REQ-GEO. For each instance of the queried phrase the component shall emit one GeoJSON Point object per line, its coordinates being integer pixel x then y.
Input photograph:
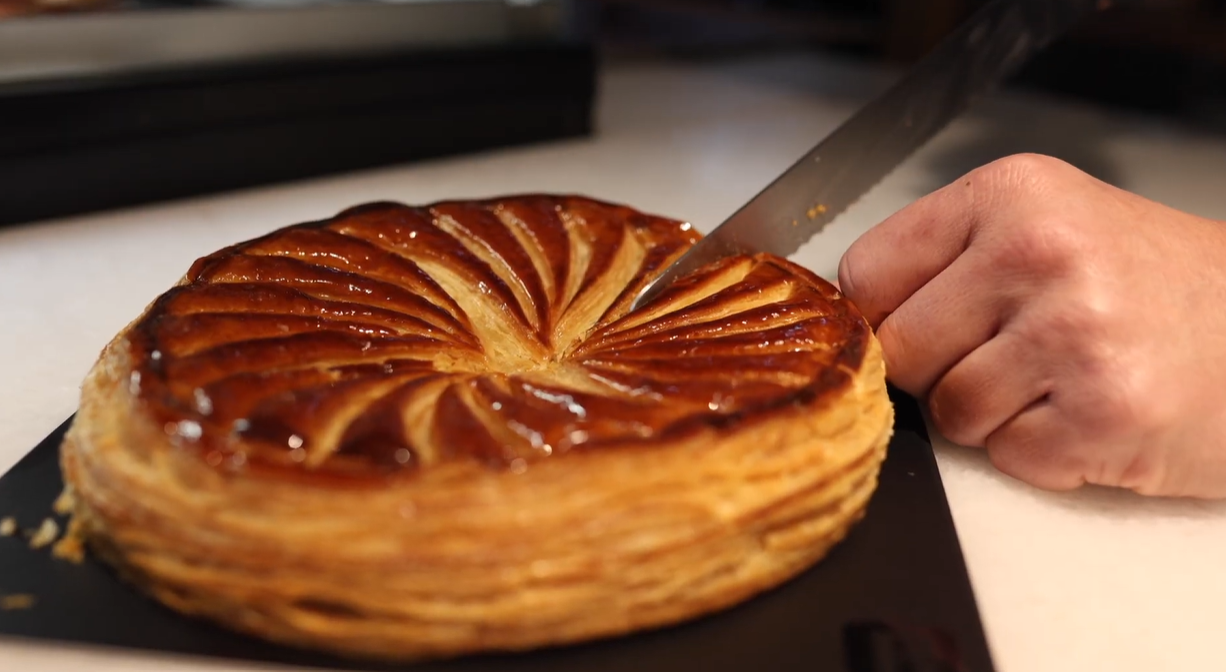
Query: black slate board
{"type": "Point", "coordinates": [893, 597]}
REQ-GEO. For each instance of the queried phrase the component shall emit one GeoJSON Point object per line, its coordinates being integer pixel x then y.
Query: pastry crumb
{"type": "Point", "coordinates": [70, 547]}
{"type": "Point", "coordinates": [16, 601]}
{"type": "Point", "coordinates": [8, 526]}
{"type": "Point", "coordinates": [64, 503]}
{"type": "Point", "coordinates": [45, 534]}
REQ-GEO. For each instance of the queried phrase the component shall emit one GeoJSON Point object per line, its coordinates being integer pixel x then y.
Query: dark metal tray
{"type": "Point", "coordinates": [893, 597]}
{"type": "Point", "coordinates": [91, 142]}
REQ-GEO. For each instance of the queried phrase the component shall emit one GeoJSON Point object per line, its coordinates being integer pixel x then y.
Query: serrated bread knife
{"type": "Point", "coordinates": [989, 46]}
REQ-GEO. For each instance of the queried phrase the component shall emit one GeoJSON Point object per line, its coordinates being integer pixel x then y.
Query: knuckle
{"type": "Point", "coordinates": [1099, 379]}
{"type": "Point", "coordinates": [1083, 324]}
{"type": "Point", "coordinates": [1045, 245]}
{"type": "Point", "coordinates": [1095, 383]}
{"type": "Point", "coordinates": [1024, 171]}
{"type": "Point", "coordinates": [1026, 233]}
{"type": "Point", "coordinates": [1111, 403]}
{"type": "Point", "coordinates": [1109, 399]}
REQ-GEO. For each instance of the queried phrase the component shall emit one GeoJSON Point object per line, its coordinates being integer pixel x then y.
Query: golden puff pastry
{"type": "Point", "coordinates": [419, 432]}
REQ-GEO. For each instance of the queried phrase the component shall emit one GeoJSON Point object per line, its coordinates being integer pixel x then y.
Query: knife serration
{"type": "Point", "coordinates": [849, 162]}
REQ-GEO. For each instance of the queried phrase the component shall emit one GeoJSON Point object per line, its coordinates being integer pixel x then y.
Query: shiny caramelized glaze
{"type": "Point", "coordinates": [391, 338]}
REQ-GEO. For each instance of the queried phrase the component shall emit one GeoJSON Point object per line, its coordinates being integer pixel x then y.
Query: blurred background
{"type": "Point", "coordinates": [1161, 56]}
{"type": "Point", "coordinates": [131, 101]}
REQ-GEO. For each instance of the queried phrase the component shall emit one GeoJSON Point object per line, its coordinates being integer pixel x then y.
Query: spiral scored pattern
{"type": "Point", "coordinates": [391, 338]}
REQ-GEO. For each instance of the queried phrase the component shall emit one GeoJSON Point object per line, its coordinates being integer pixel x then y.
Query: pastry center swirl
{"type": "Point", "coordinates": [394, 338]}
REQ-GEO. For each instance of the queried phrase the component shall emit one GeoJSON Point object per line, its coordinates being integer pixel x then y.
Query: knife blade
{"type": "Point", "coordinates": [832, 176]}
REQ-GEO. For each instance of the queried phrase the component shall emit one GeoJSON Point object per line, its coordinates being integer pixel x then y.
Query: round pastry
{"type": "Point", "coordinates": [415, 432]}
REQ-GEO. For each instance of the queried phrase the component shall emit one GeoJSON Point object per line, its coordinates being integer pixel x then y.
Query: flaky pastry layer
{"type": "Point", "coordinates": [468, 554]}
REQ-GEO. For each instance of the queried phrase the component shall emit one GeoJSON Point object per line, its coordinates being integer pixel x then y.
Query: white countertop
{"type": "Point", "coordinates": [1093, 580]}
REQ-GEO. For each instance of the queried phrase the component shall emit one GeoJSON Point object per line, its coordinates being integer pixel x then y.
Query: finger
{"type": "Point", "coordinates": [891, 261]}
{"type": "Point", "coordinates": [1036, 447]}
{"type": "Point", "coordinates": [941, 323]}
{"type": "Point", "coordinates": [988, 388]}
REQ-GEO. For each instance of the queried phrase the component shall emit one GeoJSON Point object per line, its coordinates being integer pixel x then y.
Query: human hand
{"type": "Point", "coordinates": [1074, 330]}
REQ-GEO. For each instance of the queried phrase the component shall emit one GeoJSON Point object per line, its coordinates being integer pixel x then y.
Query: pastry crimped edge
{"type": "Point", "coordinates": [464, 559]}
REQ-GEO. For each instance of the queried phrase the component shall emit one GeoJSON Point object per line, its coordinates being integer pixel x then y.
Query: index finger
{"type": "Point", "coordinates": [894, 259]}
